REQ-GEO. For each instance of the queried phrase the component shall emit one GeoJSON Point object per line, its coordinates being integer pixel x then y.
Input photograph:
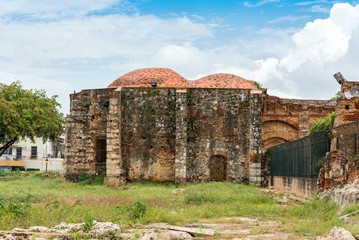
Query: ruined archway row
{"type": "Point", "coordinates": [285, 120]}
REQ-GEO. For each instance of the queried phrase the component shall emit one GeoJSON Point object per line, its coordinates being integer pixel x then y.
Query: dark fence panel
{"type": "Point", "coordinates": [300, 157]}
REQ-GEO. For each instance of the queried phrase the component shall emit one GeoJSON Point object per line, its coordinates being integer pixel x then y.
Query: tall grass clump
{"type": "Point", "coordinates": [316, 217]}
{"type": "Point", "coordinates": [97, 180]}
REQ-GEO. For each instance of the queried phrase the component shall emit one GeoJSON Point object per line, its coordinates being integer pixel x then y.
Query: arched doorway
{"type": "Point", "coordinates": [218, 168]}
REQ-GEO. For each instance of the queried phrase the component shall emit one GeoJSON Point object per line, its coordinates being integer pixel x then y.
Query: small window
{"type": "Point", "coordinates": [8, 151]}
{"type": "Point", "coordinates": [18, 153]}
{"type": "Point", "coordinates": [338, 145]}
{"type": "Point", "coordinates": [346, 107]}
{"type": "Point", "coordinates": [34, 152]}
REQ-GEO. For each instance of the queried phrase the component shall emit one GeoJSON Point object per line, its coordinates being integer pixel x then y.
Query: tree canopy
{"type": "Point", "coordinates": [324, 124]}
{"type": "Point", "coordinates": [27, 114]}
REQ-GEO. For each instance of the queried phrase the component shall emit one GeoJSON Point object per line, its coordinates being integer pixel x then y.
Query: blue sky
{"type": "Point", "coordinates": [292, 47]}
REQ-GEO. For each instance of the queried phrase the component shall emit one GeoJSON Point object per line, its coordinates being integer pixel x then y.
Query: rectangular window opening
{"type": "Point", "coordinates": [33, 152]}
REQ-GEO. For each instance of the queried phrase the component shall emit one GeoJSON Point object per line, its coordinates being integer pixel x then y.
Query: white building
{"type": "Point", "coordinates": [35, 153]}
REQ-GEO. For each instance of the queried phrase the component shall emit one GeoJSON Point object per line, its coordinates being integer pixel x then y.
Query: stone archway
{"type": "Point", "coordinates": [218, 168]}
{"type": "Point", "coordinates": [277, 132]}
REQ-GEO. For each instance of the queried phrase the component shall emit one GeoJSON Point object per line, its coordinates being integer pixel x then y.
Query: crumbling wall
{"type": "Point", "coordinates": [218, 124]}
{"type": "Point", "coordinates": [339, 169]}
{"type": "Point", "coordinates": [148, 133]}
{"type": "Point", "coordinates": [341, 166]}
{"type": "Point", "coordinates": [86, 122]}
{"type": "Point", "coordinates": [285, 120]}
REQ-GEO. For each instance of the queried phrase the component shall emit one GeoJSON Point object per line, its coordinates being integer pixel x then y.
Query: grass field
{"type": "Point", "coordinates": [28, 199]}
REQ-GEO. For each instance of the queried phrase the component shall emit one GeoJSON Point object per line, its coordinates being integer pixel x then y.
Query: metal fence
{"type": "Point", "coordinates": [299, 158]}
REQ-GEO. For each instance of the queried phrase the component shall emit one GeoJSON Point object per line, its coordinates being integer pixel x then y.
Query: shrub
{"type": "Point", "coordinates": [17, 207]}
{"type": "Point", "coordinates": [324, 124]}
{"type": "Point", "coordinates": [85, 180]}
{"type": "Point", "coordinates": [88, 223]}
{"type": "Point", "coordinates": [135, 211]}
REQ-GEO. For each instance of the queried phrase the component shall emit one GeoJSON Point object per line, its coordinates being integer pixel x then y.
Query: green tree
{"type": "Point", "coordinates": [27, 113]}
{"type": "Point", "coordinates": [323, 124]}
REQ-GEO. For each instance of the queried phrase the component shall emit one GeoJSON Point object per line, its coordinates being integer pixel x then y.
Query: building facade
{"type": "Point", "coordinates": [153, 124]}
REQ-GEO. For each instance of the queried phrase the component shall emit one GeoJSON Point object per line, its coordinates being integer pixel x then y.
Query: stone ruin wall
{"type": "Point", "coordinates": [148, 133]}
{"type": "Point", "coordinates": [347, 109]}
{"type": "Point", "coordinates": [341, 165]}
{"type": "Point", "coordinates": [218, 124]}
{"type": "Point", "coordinates": [285, 120]}
{"type": "Point", "coordinates": [87, 120]}
{"type": "Point", "coordinates": [164, 134]}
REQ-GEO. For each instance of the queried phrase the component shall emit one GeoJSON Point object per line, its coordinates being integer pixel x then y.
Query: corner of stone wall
{"type": "Point", "coordinates": [255, 170]}
{"type": "Point", "coordinates": [114, 176]}
{"type": "Point", "coordinates": [74, 122]}
{"type": "Point", "coordinates": [181, 136]}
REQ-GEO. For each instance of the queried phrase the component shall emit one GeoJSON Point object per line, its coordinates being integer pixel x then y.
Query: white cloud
{"type": "Point", "coordinates": [324, 39]}
{"type": "Point", "coordinates": [260, 3]}
{"type": "Point", "coordinates": [84, 48]}
{"type": "Point", "coordinates": [312, 2]}
{"type": "Point", "coordinates": [318, 9]}
{"type": "Point", "coordinates": [84, 51]}
{"type": "Point", "coordinates": [42, 9]}
{"type": "Point", "coordinates": [287, 19]}
{"type": "Point", "coordinates": [322, 48]}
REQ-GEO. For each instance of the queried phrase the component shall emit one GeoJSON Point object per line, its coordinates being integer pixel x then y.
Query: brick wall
{"type": "Point", "coordinates": [341, 165]}
{"type": "Point", "coordinates": [285, 120]}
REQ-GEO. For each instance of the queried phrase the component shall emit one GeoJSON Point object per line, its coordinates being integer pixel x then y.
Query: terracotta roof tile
{"type": "Point", "coordinates": [142, 78]}
{"type": "Point", "coordinates": [168, 78]}
{"type": "Point", "coordinates": [223, 80]}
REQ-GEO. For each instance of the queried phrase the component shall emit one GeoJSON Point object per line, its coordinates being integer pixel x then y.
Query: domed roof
{"type": "Point", "coordinates": [165, 77]}
{"type": "Point", "coordinates": [168, 78]}
{"type": "Point", "coordinates": [224, 80]}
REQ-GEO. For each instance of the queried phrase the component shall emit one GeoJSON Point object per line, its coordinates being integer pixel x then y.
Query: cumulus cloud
{"type": "Point", "coordinates": [83, 47]}
{"type": "Point", "coordinates": [324, 39]}
{"type": "Point", "coordinates": [313, 54]}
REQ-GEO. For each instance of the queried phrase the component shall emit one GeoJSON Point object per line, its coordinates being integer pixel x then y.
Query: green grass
{"type": "Point", "coordinates": [46, 201]}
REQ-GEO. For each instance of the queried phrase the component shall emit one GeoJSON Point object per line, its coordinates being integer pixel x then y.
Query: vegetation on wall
{"type": "Point", "coordinates": [336, 96]}
{"type": "Point", "coordinates": [151, 94]}
{"type": "Point", "coordinates": [323, 124]}
{"type": "Point", "coordinates": [27, 114]}
{"type": "Point", "coordinates": [258, 85]}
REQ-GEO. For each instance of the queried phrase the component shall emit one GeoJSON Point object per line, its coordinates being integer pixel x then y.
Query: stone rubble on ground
{"type": "Point", "coordinates": [338, 233]}
{"type": "Point", "coordinates": [178, 191]}
{"type": "Point", "coordinates": [167, 235]}
{"type": "Point", "coordinates": [98, 229]}
{"type": "Point", "coordinates": [280, 197]}
{"type": "Point", "coordinates": [347, 195]}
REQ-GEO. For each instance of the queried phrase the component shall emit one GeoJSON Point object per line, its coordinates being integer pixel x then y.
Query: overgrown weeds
{"type": "Point", "coordinates": [97, 180]}
{"type": "Point", "coordinates": [32, 200]}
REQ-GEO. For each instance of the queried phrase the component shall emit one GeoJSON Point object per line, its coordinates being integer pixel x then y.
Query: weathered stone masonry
{"type": "Point", "coordinates": [166, 133]}
{"type": "Point", "coordinates": [285, 120]}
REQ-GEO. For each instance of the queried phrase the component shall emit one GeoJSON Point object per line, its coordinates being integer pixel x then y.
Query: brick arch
{"type": "Point", "coordinates": [277, 132]}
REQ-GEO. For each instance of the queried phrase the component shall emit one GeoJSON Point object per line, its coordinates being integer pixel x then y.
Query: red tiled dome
{"type": "Point", "coordinates": [165, 77]}
{"type": "Point", "coordinates": [223, 80]}
{"type": "Point", "coordinates": [168, 78]}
